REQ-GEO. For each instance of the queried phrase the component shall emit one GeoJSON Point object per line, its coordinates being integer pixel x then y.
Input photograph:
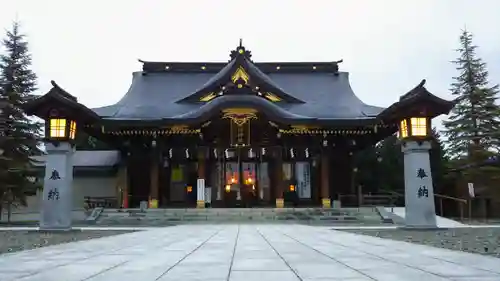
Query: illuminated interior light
{"type": "Point", "coordinates": [314, 67]}
{"type": "Point", "coordinates": [418, 126]}
{"type": "Point", "coordinates": [203, 67]}
{"type": "Point", "coordinates": [57, 128]}
{"type": "Point", "coordinates": [167, 67]}
{"type": "Point", "coordinates": [278, 67]}
{"type": "Point", "coordinates": [72, 129]}
{"type": "Point", "coordinates": [228, 188]}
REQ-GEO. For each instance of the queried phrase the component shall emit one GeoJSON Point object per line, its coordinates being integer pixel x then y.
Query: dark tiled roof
{"type": "Point", "coordinates": [154, 96]}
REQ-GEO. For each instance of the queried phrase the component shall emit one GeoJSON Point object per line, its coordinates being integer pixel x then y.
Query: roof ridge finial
{"type": "Point", "coordinates": [241, 51]}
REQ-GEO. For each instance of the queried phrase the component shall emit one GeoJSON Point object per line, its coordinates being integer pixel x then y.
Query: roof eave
{"type": "Point", "coordinates": [58, 97]}
{"type": "Point", "coordinates": [415, 99]}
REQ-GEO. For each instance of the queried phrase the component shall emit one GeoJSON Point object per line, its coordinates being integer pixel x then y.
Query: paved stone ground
{"type": "Point", "coordinates": [485, 241]}
{"type": "Point", "coordinates": [245, 252]}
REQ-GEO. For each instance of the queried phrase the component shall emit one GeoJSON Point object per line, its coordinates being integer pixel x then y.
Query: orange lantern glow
{"type": "Point", "coordinates": [189, 189]}
{"type": "Point", "coordinates": [292, 187]}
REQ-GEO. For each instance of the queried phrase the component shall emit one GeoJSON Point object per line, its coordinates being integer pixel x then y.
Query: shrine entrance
{"type": "Point", "coordinates": [243, 180]}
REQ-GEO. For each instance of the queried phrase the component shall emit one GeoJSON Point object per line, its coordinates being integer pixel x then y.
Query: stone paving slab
{"type": "Point", "coordinates": [245, 252]}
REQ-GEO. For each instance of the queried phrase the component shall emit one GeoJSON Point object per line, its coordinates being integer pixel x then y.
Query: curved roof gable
{"type": "Point", "coordinates": [240, 71]}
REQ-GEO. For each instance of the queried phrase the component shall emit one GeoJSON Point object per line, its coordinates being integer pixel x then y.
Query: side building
{"type": "Point", "coordinates": [256, 133]}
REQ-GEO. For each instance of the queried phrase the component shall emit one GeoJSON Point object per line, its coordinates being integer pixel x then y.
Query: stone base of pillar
{"type": "Point", "coordinates": [57, 202]}
{"type": "Point", "coordinates": [420, 211]}
{"type": "Point", "coordinates": [280, 203]}
{"type": "Point", "coordinates": [200, 204]}
{"type": "Point", "coordinates": [326, 203]}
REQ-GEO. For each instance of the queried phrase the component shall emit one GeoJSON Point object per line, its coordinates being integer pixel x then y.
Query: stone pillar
{"type": "Point", "coordinates": [200, 188]}
{"type": "Point", "coordinates": [419, 192]}
{"type": "Point", "coordinates": [278, 188]}
{"type": "Point", "coordinates": [325, 181]}
{"type": "Point", "coordinates": [57, 202]}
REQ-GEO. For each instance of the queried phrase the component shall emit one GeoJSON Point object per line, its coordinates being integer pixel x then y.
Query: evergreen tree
{"type": "Point", "coordinates": [439, 161]}
{"type": "Point", "coordinates": [473, 127]}
{"type": "Point", "coordinates": [22, 134]}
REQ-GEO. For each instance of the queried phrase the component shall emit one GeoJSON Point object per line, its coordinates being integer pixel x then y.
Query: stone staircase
{"type": "Point", "coordinates": [311, 216]}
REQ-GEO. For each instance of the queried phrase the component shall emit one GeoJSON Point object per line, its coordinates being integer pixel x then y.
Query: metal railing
{"type": "Point", "coordinates": [392, 196]}
{"type": "Point", "coordinates": [462, 203]}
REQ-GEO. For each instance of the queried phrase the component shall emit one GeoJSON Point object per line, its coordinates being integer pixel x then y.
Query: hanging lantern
{"type": "Point", "coordinates": [228, 187]}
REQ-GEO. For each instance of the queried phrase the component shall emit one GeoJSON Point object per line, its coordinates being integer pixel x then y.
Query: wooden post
{"type": "Point", "coordinates": [122, 184]}
{"type": "Point", "coordinates": [325, 181]}
{"type": "Point", "coordinates": [470, 211]}
{"type": "Point", "coordinates": [154, 184]}
{"type": "Point", "coordinates": [200, 199]}
{"type": "Point", "coordinates": [280, 201]}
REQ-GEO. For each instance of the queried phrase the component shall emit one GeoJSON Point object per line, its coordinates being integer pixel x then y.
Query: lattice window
{"type": "Point", "coordinates": [419, 126]}
{"type": "Point", "coordinates": [57, 128]}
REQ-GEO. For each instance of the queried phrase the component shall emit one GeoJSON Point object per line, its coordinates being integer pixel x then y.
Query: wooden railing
{"type": "Point", "coordinates": [103, 202]}
{"type": "Point", "coordinates": [378, 199]}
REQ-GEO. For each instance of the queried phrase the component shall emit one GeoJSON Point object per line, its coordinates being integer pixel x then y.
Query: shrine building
{"type": "Point", "coordinates": [273, 134]}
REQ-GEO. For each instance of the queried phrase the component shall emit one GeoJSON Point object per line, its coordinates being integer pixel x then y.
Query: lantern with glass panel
{"type": "Point", "coordinates": [59, 127]}
{"type": "Point", "coordinates": [415, 128]}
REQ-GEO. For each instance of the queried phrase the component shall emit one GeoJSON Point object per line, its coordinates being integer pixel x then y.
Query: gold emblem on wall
{"type": "Point", "coordinates": [239, 116]}
{"type": "Point", "coordinates": [240, 124]}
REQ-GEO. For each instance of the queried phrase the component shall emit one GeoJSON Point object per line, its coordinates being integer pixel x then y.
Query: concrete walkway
{"type": "Point", "coordinates": [245, 252]}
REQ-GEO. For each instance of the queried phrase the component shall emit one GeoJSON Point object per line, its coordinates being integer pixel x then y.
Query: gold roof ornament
{"type": "Point", "coordinates": [239, 116]}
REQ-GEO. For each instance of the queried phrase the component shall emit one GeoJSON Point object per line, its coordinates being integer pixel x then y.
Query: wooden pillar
{"type": "Point", "coordinates": [200, 185]}
{"type": "Point", "coordinates": [154, 182]}
{"type": "Point", "coordinates": [325, 181]}
{"type": "Point", "coordinates": [122, 186]}
{"type": "Point", "coordinates": [278, 172]}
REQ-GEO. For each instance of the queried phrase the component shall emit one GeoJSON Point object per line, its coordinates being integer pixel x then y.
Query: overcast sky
{"type": "Point", "coordinates": [91, 47]}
